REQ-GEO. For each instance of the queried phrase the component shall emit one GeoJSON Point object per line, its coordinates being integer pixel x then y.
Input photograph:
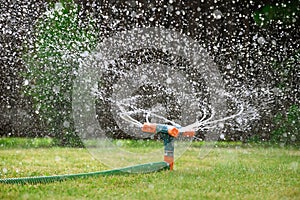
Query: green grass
{"type": "Point", "coordinates": [25, 142]}
{"type": "Point", "coordinates": [229, 171]}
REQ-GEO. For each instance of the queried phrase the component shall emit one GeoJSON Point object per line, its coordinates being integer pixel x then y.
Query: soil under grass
{"type": "Point", "coordinates": [226, 172]}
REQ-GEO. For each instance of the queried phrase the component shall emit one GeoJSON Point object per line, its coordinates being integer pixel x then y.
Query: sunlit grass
{"type": "Point", "coordinates": [227, 172]}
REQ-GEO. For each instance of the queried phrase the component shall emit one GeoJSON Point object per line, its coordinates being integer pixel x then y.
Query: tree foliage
{"type": "Point", "coordinates": [62, 36]}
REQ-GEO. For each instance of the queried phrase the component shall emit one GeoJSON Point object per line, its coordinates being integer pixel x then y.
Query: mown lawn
{"type": "Point", "coordinates": [227, 172]}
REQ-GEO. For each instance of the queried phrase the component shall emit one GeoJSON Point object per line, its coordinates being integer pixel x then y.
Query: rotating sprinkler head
{"type": "Point", "coordinates": [168, 132]}
{"type": "Point", "coordinates": [160, 128]}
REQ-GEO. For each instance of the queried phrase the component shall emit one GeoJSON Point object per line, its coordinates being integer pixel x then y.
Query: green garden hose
{"type": "Point", "coordinates": [144, 168]}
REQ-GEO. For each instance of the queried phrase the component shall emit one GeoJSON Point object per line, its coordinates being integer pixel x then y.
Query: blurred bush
{"type": "Point", "coordinates": [288, 127]}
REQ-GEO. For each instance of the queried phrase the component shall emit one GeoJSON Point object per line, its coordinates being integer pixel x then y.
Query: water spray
{"type": "Point", "coordinates": [91, 71]}
{"type": "Point", "coordinates": [168, 132]}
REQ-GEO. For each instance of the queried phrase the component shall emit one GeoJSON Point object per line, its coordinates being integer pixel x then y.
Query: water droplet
{"type": "Point", "coordinates": [261, 40]}
{"type": "Point", "coordinates": [57, 158]}
{"type": "Point", "coordinates": [217, 14]}
{"type": "Point", "coordinates": [293, 138]}
{"type": "Point", "coordinates": [294, 166]}
{"type": "Point", "coordinates": [58, 6]}
{"type": "Point", "coordinates": [84, 54]}
{"type": "Point", "coordinates": [151, 186]}
{"type": "Point", "coordinates": [284, 135]}
{"type": "Point", "coordinates": [169, 81]}
{"type": "Point", "coordinates": [222, 136]}
{"type": "Point", "coordinates": [66, 124]}
{"type": "Point", "coordinates": [56, 89]}
{"type": "Point", "coordinates": [26, 82]}
{"type": "Point", "coordinates": [4, 170]}
{"type": "Point", "coordinates": [221, 124]}
{"type": "Point", "coordinates": [119, 143]}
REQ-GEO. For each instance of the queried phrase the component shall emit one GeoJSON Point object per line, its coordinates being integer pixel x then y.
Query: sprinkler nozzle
{"type": "Point", "coordinates": [190, 133]}
{"type": "Point", "coordinates": [168, 129]}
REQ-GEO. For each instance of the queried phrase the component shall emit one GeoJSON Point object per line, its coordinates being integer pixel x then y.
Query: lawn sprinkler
{"type": "Point", "coordinates": [168, 133]}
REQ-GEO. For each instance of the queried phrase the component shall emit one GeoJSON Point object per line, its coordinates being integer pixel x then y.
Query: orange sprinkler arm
{"type": "Point", "coordinates": [160, 128]}
{"type": "Point", "coordinates": [190, 133]}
